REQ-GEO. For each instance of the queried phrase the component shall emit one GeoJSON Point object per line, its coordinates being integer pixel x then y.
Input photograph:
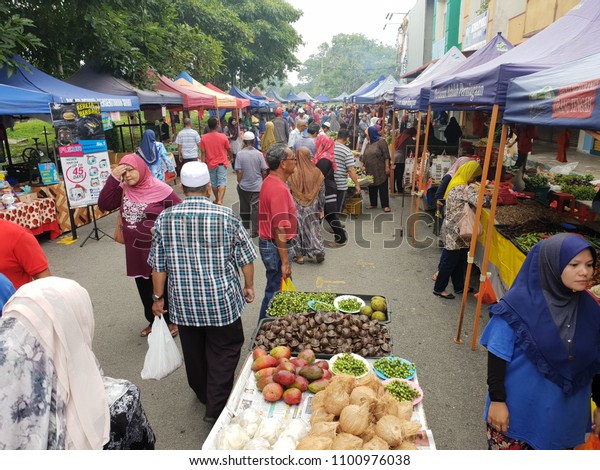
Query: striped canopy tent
{"type": "Point", "coordinates": [241, 102]}
{"type": "Point", "coordinates": [222, 100]}
{"type": "Point", "coordinates": [191, 99]}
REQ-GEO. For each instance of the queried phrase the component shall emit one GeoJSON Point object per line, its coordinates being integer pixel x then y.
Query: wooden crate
{"type": "Point", "coordinates": [353, 206]}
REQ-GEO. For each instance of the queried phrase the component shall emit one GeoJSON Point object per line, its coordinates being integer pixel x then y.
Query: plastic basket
{"type": "Point", "coordinates": [541, 194]}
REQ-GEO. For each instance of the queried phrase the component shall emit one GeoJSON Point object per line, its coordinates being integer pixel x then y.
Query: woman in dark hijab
{"type": "Point", "coordinates": [543, 343]}
{"type": "Point", "coordinates": [376, 162]}
{"type": "Point", "coordinates": [452, 133]}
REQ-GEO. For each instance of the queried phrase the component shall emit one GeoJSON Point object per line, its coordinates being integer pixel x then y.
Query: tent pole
{"type": "Point", "coordinates": [354, 136]}
{"type": "Point", "coordinates": [422, 171]}
{"type": "Point", "coordinates": [414, 178]}
{"type": "Point", "coordinates": [471, 256]}
{"type": "Point", "coordinates": [392, 147]}
{"type": "Point", "coordinates": [141, 129]}
{"type": "Point", "coordinates": [488, 238]}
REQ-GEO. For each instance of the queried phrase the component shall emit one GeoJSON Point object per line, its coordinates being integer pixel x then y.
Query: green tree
{"type": "Point", "coordinates": [350, 61]}
{"type": "Point", "coordinates": [16, 37]}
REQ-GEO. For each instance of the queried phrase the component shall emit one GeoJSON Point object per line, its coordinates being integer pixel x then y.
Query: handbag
{"type": "Point", "coordinates": [467, 223]}
{"type": "Point", "coordinates": [118, 235]}
{"type": "Point", "coordinates": [163, 356]}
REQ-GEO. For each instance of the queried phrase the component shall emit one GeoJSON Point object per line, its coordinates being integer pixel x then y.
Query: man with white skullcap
{"type": "Point", "coordinates": [251, 169]}
{"type": "Point", "coordinates": [201, 246]}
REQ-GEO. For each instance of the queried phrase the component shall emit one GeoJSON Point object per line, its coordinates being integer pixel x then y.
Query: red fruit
{"type": "Point", "coordinates": [272, 392]}
{"type": "Point", "coordinates": [257, 352]}
{"type": "Point", "coordinates": [262, 362]}
{"type": "Point", "coordinates": [292, 396]}
{"type": "Point", "coordinates": [299, 362]}
{"type": "Point", "coordinates": [326, 374]}
{"type": "Point", "coordinates": [323, 364]}
{"type": "Point", "coordinates": [264, 372]}
{"type": "Point", "coordinates": [287, 366]}
{"type": "Point", "coordinates": [308, 355]}
{"type": "Point", "coordinates": [281, 351]}
{"type": "Point", "coordinates": [284, 377]}
{"type": "Point", "coordinates": [311, 372]}
{"type": "Point", "coordinates": [263, 382]}
{"type": "Point", "coordinates": [300, 383]}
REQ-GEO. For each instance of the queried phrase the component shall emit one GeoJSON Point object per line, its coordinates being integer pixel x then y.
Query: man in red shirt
{"type": "Point", "coordinates": [277, 222]}
{"type": "Point", "coordinates": [21, 257]}
{"type": "Point", "coordinates": [216, 152]}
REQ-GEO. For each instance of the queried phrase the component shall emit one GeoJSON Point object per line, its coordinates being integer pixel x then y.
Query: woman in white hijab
{"type": "Point", "coordinates": [52, 393]}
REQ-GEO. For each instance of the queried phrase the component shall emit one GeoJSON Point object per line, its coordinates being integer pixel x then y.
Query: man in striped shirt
{"type": "Point", "coordinates": [202, 246]}
{"type": "Point", "coordinates": [345, 168]}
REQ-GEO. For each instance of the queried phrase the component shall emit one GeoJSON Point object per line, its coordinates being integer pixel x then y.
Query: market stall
{"type": "Point", "coordinates": [38, 216]}
{"type": "Point", "coordinates": [319, 361]}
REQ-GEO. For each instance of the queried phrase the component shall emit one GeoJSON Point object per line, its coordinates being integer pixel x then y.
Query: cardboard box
{"type": "Point", "coordinates": [353, 206]}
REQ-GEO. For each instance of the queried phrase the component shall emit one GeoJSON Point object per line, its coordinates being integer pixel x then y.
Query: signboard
{"type": "Point", "coordinates": [49, 173]}
{"type": "Point", "coordinates": [475, 33]}
{"type": "Point", "coordinates": [82, 150]}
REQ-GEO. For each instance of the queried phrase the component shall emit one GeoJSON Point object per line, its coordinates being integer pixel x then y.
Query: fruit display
{"type": "Point", "coordinates": [526, 211]}
{"type": "Point", "coordinates": [377, 310]}
{"type": "Point", "coordinates": [394, 367]}
{"type": "Point", "coordinates": [402, 391]}
{"type": "Point", "coordinates": [279, 376]}
{"type": "Point", "coordinates": [349, 364]}
{"type": "Point", "coordinates": [325, 333]}
{"type": "Point", "coordinates": [359, 414]}
{"type": "Point", "coordinates": [286, 302]}
{"type": "Point", "coordinates": [349, 305]}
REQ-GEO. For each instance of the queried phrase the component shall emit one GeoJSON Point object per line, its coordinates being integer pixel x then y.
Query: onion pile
{"type": "Point", "coordinates": [359, 414]}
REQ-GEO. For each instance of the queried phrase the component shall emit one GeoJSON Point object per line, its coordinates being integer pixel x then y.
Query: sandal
{"type": "Point", "coordinates": [146, 331]}
{"type": "Point", "coordinates": [446, 296]}
{"type": "Point", "coordinates": [434, 277]}
{"type": "Point", "coordinates": [299, 260]}
{"type": "Point", "coordinates": [387, 209]}
{"type": "Point", "coordinates": [173, 329]}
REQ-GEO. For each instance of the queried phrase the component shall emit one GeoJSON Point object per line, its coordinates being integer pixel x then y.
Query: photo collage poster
{"type": "Point", "coordinates": [82, 149]}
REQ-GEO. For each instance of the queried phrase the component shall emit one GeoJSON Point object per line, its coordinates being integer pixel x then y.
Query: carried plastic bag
{"type": "Point", "coordinates": [592, 443]}
{"type": "Point", "coordinates": [487, 293]}
{"type": "Point", "coordinates": [286, 284]}
{"type": "Point", "coordinates": [564, 169]}
{"type": "Point", "coordinates": [163, 356]}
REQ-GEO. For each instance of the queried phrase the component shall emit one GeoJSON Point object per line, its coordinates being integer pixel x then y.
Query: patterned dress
{"type": "Point", "coordinates": [309, 241]}
{"type": "Point", "coordinates": [455, 203]}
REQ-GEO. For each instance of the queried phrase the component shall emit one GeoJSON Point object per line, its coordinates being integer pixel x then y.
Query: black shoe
{"type": "Point", "coordinates": [209, 419]}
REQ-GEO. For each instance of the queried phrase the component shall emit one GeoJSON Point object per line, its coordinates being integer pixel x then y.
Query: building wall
{"type": "Point", "coordinates": [419, 43]}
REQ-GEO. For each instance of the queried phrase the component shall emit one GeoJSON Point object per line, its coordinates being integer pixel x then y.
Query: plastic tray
{"type": "Point", "coordinates": [251, 346]}
{"type": "Point", "coordinates": [365, 297]}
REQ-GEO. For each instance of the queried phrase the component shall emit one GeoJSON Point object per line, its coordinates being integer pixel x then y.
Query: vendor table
{"type": "Point", "coordinates": [245, 395]}
{"type": "Point", "coordinates": [81, 215]}
{"type": "Point", "coordinates": [38, 216]}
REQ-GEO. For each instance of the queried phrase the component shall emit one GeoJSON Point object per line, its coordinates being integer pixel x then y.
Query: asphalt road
{"type": "Point", "coordinates": [377, 259]}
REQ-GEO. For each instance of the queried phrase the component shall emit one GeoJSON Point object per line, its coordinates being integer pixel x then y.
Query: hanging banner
{"type": "Point", "coordinates": [475, 33]}
{"type": "Point", "coordinates": [82, 150]}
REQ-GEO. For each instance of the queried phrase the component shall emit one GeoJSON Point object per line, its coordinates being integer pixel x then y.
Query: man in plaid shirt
{"type": "Point", "coordinates": [202, 246]}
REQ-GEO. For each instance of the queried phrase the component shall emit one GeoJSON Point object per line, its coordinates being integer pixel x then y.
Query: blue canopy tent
{"type": "Point", "coordinates": [19, 101]}
{"type": "Point", "coordinates": [255, 102]}
{"type": "Point", "coordinates": [88, 77]}
{"type": "Point", "coordinates": [30, 78]}
{"type": "Point", "coordinates": [273, 94]}
{"type": "Point", "coordinates": [377, 94]}
{"type": "Point", "coordinates": [340, 98]}
{"type": "Point", "coordinates": [365, 88]}
{"type": "Point", "coordinates": [415, 95]}
{"type": "Point", "coordinates": [305, 96]}
{"type": "Point", "coordinates": [571, 37]}
{"type": "Point", "coordinates": [322, 99]}
{"type": "Point", "coordinates": [291, 96]}
{"type": "Point", "coordinates": [565, 96]}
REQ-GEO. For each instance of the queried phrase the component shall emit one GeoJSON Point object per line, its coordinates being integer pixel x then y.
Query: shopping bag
{"type": "Point", "coordinates": [592, 443]}
{"type": "Point", "coordinates": [286, 284]}
{"type": "Point", "coordinates": [118, 235]}
{"type": "Point", "coordinates": [487, 293]}
{"type": "Point", "coordinates": [467, 223]}
{"type": "Point", "coordinates": [163, 356]}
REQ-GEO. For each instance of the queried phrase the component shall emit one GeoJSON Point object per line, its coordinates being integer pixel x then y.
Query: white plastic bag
{"type": "Point", "coordinates": [163, 356]}
{"type": "Point", "coordinates": [564, 169]}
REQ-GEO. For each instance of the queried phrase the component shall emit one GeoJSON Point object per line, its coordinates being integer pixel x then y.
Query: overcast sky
{"type": "Point", "coordinates": [323, 19]}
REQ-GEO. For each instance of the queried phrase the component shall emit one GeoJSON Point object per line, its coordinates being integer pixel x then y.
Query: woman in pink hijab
{"type": "Point", "coordinates": [140, 198]}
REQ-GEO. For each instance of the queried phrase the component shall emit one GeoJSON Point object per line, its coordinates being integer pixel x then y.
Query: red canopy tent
{"type": "Point", "coordinates": [191, 99]}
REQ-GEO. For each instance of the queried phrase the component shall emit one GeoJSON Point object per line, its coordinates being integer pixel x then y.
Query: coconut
{"type": "Point", "coordinates": [354, 419]}
{"type": "Point", "coordinates": [335, 402]}
{"type": "Point", "coordinates": [410, 429]}
{"type": "Point", "coordinates": [376, 443]}
{"type": "Point", "coordinates": [318, 401]}
{"type": "Point", "coordinates": [406, 445]}
{"type": "Point", "coordinates": [386, 405]}
{"type": "Point", "coordinates": [341, 383]}
{"type": "Point", "coordinates": [315, 443]}
{"type": "Point", "coordinates": [369, 433]}
{"type": "Point", "coordinates": [389, 428]}
{"type": "Point", "coordinates": [324, 429]}
{"type": "Point", "coordinates": [345, 441]}
{"type": "Point", "coordinates": [362, 394]}
{"type": "Point", "coordinates": [371, 381]}
{"type": "Point", "coordinates": [404, 410]}
{"type": "Point", "coordinates": [320, 415]}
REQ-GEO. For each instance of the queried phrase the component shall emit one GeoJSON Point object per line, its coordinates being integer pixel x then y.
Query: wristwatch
{"type": "Point", "coordinates": [156, 298]}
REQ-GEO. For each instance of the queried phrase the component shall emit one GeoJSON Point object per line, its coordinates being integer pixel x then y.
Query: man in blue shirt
{"type": "Point", "coordinates": [202, 246]}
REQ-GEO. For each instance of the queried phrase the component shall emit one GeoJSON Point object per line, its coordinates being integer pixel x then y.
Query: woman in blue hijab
{"type": "Point", "coordinates": [375, 161]}
{"type": "Point", "coordinates": [6, 290]}
{"type": "Point", "coordinates": [155, 155]}
{"type": "Point", "coordinates": [543, 343]}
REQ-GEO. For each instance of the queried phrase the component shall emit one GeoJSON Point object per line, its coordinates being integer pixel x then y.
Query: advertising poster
{"type": "Point", "coordinates": [49, 173]}
{"type": "Point", "coordinates": [82, 149]}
